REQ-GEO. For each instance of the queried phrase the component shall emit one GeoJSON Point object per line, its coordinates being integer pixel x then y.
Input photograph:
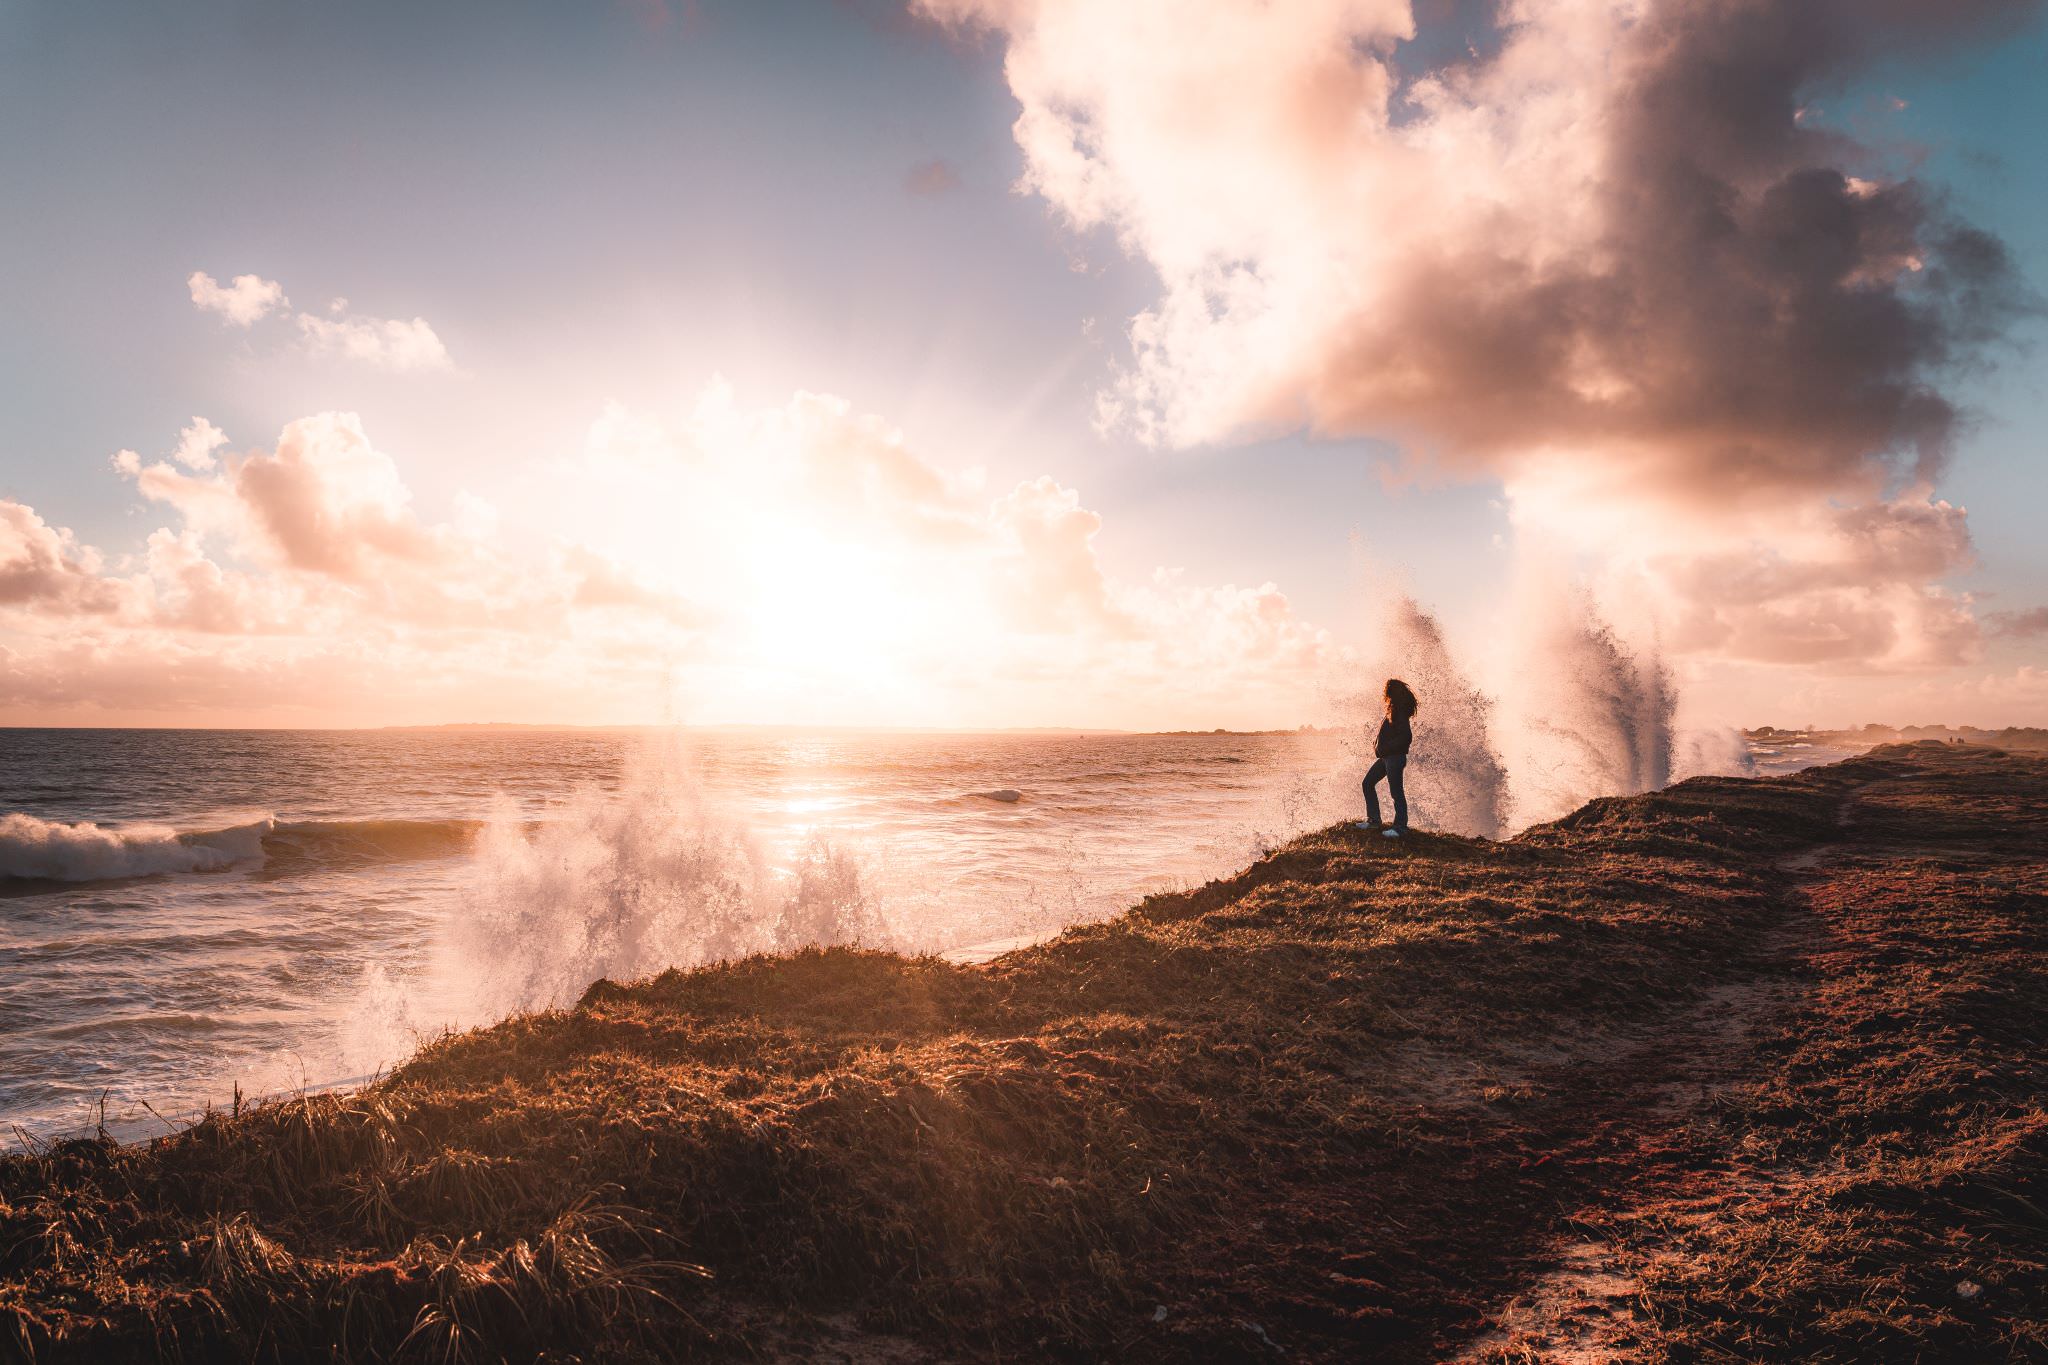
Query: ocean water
{"type": "Point", "coordinates": [1783, 754]}
{"type": "Point", "coordinates": [186, 913]}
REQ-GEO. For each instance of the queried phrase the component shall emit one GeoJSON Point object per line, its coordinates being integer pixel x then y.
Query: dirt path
{"type": "Point", "coordinates": [1833, 1145]}
{"type": "Point", "coordinates": [1580, 1303]}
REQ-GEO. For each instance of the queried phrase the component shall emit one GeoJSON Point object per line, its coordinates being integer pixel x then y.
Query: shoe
{"type": "Point", "coordinates": [1391, 833]}
{"type": "Point", "coordinates": [1366, 824]}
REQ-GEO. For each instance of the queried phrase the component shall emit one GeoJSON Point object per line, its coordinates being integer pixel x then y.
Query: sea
{"type": "Point", "coordinates": [188, 916]}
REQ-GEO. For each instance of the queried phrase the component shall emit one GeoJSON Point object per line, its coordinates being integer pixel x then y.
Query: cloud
{"type": "Point", "coordinates": [845, 464]}
{"type": "Point", "coordinates": [330, 502]}
{"type": "Point", "coordinates": [324, 500]}
{"type": "Point", "coordinates": [937, 176]}
{"type": "Point", "coordinates": [197, 443]}
{"type": "Point", "coordinates": [603, 582]}
{"type": "Point", "coordinates": [1504, 255]}
{"type": "Point", "coordinates": [187, 591]}
{"type": "Point", "coordinates": [387, 343]}
{"type": "Point", "coordinates": [43, 568]}
{"type": "Point", "coordinates": [1047, 575]}
{"type": "Point", "coordinates": [1842, 586]}
{"type": "Point", "coordinates": [242, 302]}
{"type": "Point", "coordinates": [864, 582]}
{"type": "Point", "coordinates": [320, 533]}
{"type": "Point", "coordinates": [658, 17]}
{"type": "Point", "coordinates": [795, 561]}
{"type": "Point", "coordinates": [1597, 254]}
{"type": "Point", "coordinates": [2019, 625]}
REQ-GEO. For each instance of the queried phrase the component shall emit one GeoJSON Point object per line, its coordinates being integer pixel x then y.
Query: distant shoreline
{"type": "Point", "coordinates": [2025, 737]}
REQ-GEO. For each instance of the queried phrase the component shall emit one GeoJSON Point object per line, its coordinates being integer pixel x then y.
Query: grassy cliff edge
{"type": "Point", "coordinates": [1743, 1069]}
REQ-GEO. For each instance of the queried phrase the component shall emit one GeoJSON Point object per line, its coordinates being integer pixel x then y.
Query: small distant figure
{"type": "Point", "coordinates": [1390, 759]}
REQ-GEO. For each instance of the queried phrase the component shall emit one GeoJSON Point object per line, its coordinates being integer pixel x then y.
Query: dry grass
{"type": "Point", "coordinates": [1344, 1104]}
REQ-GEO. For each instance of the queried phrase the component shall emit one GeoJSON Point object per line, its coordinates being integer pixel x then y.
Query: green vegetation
{"type": "Point", "coordinates": [1743, 1069]}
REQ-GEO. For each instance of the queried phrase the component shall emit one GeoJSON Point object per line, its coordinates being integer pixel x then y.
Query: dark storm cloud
{"type": "Point", "coordinates": [1604, 251]}
{"type": "Point", "coordinates": [1748, 316]}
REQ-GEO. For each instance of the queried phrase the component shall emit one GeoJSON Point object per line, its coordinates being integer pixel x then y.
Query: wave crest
{"type": "Point", "coordinates": [32, 849]}
{"type": "Point", "coordinates": [38, 850]}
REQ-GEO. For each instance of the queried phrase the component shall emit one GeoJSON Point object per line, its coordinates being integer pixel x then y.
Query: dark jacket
{"type": "Point", "coordinates": [1394, 739]}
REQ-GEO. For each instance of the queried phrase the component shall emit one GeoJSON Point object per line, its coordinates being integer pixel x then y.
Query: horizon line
{"type": "Point", "coordinates": [799, 727]}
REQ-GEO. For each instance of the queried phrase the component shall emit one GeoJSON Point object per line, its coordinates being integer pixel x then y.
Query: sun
{"type": "Point", "coordinates": [812, 604]}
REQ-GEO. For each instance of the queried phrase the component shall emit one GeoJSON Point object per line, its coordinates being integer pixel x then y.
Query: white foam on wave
{"type": "Point", "coordinates": [51, 850]}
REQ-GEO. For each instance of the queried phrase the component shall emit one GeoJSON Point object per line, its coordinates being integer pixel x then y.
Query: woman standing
{"type": "Point", "coordinates": [1390, 759]}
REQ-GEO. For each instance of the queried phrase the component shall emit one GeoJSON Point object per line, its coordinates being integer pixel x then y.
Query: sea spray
{"type": "Point", "coordinates": [1590, 716]}
{"type": "Point", "coordinates": [627, 884]}
{"type": "Point", "coordinates": [1581, 711]}
{"type": "Point", "coordinates": [1305, 801]}
{"type": "Point", "coordinates": [826, 901]}
{"type": "Point", "coordinates": [1719, 751]}
{"type": "Point", "coordinates": [619, 884]}
{"type": "Point", "coordinates": [1456, 781]}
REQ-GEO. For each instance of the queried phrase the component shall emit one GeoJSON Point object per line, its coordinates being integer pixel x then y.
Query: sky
{"type": "Point", "coordinates": [1015, 362]}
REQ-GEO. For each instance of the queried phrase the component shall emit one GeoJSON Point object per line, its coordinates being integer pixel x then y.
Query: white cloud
{"type": "Point", "coordinates": [197, 443]}
{"type": "Point", "coordinates": [388, 343]}
{"type": "Point", "coordinates": [43, 568]}
{"type": "Point", "coordinates": [242, 302]}
{"type": "Point", "coordinates": [793, 562]}
{"type": "Point", "coordinates": [330, 514]}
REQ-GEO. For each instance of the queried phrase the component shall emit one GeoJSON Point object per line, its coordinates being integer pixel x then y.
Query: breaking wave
{"type": "Point", "coordinates": [51, 850]}
{"type": "Point", "coordinates": [37, 850]}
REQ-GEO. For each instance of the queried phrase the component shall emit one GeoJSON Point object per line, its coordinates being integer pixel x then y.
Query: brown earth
{"type": "Point", "coordinates": [1741, 1070]}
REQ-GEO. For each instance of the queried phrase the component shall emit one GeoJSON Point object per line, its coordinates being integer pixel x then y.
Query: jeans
{"type": "Point", "coordinates": [1390, 768]}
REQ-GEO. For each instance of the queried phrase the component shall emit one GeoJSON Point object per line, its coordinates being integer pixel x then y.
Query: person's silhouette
{"type": "Point", "coordinates": [1390, 757]}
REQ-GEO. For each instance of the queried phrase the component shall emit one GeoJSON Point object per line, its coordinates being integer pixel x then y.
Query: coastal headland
{"type": "Point", "coordinates": [1744, 1069]}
